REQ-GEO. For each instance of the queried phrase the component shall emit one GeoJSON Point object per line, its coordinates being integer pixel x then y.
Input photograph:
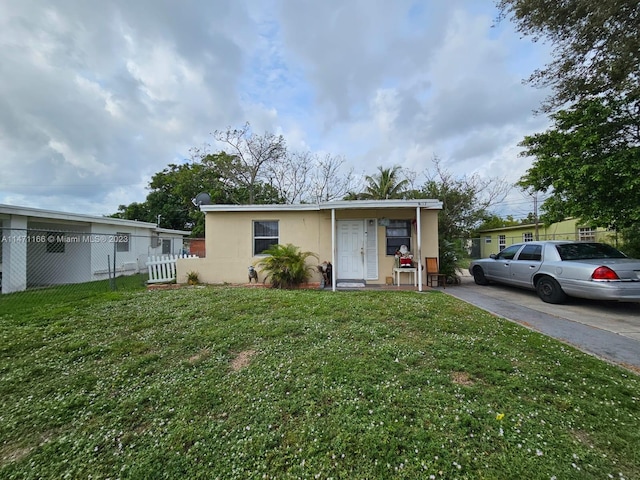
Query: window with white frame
{"type": "Point", "coordinates": [398, 234]}
{"type": "Point", "coordinates": [527, 237]}
{"type": "Point", "coordinates": [265, 234]}
{"type": "Point", "coordinates": [586, 234]}
{"type": "Point", "coordinates": [487, 239]}
{"type": "Point", "coordinates": [502, 241]}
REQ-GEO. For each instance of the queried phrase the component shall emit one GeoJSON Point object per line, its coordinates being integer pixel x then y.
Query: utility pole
{"type": "Point", "coordinates": [535, 214]}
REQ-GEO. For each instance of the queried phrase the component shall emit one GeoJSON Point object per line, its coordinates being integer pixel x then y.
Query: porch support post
{"type": "Point", "coordinates": [14, 254]}
{"type": "Point", "coordinates": [419, 228]}
{"type": "Point", "coordinates": [333, 249]}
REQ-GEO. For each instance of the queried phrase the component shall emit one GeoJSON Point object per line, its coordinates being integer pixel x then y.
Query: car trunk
{"type": "Point", "coordinates": [625, 268]}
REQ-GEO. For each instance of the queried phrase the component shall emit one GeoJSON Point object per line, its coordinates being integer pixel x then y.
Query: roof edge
{"type": "Point", "coordinates": [429, 204]}
{"type": "Point", "coordinates": [81, 217]}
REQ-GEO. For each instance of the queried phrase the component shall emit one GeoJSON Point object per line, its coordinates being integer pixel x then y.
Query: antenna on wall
{"type": "Point", "coordinates": [201, 199]}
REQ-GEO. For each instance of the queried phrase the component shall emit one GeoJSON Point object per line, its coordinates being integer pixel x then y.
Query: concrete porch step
{"type": "Point", "coordinates": [350, 283]}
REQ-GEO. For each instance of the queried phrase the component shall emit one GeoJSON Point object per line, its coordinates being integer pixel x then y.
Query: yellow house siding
{"type": "Point", "coordinates": [229, 239]}
{"type": "Point", "coordinates": [565, 230]}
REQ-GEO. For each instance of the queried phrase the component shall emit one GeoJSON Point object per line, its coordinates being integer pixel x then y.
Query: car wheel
{"type": "Point", "coordinates": [549, 290]}
{"type": "Point", "coordinates": [478, 277]}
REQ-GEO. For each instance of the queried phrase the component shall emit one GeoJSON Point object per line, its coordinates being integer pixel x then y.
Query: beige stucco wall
{"type": "Point", "coordinates": [429, 234]}
{"type": "Point", "coordinates": [229, 240]}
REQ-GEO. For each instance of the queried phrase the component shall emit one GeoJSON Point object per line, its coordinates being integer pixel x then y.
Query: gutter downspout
{"type": "Point", "coordinates": [419, 227]}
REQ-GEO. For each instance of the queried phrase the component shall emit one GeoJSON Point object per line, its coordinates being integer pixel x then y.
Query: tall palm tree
{"type": "Point", "coordinates": [385, 185]}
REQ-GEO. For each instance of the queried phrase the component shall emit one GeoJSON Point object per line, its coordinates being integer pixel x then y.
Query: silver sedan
{"type": "Point", "coordinates": [556, 269]}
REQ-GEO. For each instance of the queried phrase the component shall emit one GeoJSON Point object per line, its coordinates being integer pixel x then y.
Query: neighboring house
{"type": "Point", "coordinates": [360, 238]}
{"type": "Point", "coordinates": [44, 247]}
{"type": "Point", "coordinates": [496, 239]}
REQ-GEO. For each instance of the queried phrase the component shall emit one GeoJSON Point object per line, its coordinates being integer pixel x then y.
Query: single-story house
{"type": "Point", "coordinates": [360, 238]}
{"type": "Point", "coordinates": [45, 247]}
{"type": "Point", "coordinates": [496, 239]}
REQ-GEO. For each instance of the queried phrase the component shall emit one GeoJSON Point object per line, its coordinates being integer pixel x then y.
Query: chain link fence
{"type": "Point", "coordinates": [39, 259]}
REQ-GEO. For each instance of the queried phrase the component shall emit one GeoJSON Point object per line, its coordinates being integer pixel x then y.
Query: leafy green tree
{"type": "Point", "coordinates": [495, 221]}
{"type": "Point", "coordinates": [449, 253]}
{"type": "Point", "coordinates": [590, 163]}
{"type": "Point", "coordinates": [589, 160]}
{"type": "Point", "coordinates": [466, 201]}
{"type": "Point", "coordinates": [596, 45]}
{"type": "Point", "coordinates": [286, 266]}
{"type": "Point", "coordinates": [352, 195]}
{"type": "Point", "coordinates": [135, 211]}
{"type": "Point", "coordinates": [631, 241]}
{"type": "Point", "coordinates": [386, 184]}
{"type": "Point", "coordinates": [172, 191]}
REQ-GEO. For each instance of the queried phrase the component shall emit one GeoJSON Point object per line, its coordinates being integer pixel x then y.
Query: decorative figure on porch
{"type": "Point", "coordinates": [253, 274]}
{"type": "Point", "coordinates": [404, 257]}
{"type": "Point", "coordinates": [325, 269]}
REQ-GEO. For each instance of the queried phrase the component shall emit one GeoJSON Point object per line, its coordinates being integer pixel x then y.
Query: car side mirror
{"type": "Point", "coordinates": [493, 255]}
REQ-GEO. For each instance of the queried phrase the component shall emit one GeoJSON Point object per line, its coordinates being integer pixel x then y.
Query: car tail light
{"type": "Point", "coordinates": [604, 273]}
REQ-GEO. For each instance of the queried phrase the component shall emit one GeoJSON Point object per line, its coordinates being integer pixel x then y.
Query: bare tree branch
{"type": "Point", "coordinates": [253, 153]}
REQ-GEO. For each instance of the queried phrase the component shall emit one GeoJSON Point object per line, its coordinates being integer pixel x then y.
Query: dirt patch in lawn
{"type": "Point", "coordinates": [242, 360]}
{"type": "Point", "coordinates": [462, 378]}
{"type": "Point", "coordinates": [201, 355]}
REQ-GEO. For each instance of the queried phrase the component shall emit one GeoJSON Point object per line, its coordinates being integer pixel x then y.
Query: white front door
{"type": "Point", "coordinates": [350, 249]}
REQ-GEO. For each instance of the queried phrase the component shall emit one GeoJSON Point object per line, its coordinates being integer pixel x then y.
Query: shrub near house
{"type": "Point", "coordinates": [286, 266]}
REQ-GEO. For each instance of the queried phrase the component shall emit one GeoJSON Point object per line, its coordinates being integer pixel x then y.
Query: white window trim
{"type": "Point", "coordinates": [258, 237]}
{"type": "Point", "coordinates": [586, 234]}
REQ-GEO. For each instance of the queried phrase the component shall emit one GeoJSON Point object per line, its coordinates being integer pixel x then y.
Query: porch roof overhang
{"type": "Point", "coordinates": [425, 204]}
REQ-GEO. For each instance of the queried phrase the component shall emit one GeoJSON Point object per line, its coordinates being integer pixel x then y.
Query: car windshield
{"type": "Point", "coordinates": [587, 251]}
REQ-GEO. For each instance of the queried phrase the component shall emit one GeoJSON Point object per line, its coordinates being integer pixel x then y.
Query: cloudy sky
{"type": "Point", "coordinates": [96, 97]}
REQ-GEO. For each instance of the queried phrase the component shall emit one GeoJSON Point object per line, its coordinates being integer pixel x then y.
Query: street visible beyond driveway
{"type": "Point", "coordinates": [608, 330]}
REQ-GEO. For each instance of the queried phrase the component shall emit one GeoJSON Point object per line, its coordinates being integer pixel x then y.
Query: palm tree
{"type": "Point", "coordinates": [286, 266]}
{"type": "Point", "coordinates": [385, 185]}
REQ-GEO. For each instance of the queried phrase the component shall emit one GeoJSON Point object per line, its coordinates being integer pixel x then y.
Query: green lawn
{"type": "Point", "coordinates": [257, 383]}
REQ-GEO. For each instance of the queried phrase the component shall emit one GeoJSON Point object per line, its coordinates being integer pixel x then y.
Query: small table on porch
{"type": "Point", "coordinates": [398, 270]}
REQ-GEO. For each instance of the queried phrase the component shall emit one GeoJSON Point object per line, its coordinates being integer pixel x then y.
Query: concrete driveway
{"type": "Point", "coordinates": [610, 331]}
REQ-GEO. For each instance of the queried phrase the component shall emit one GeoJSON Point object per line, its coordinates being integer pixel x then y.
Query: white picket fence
{"type": "Point", "coordinates": [162, 268]}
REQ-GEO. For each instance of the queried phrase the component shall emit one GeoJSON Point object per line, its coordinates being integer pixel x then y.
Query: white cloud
{"type": "Point", "coordinates": [97, 97]}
